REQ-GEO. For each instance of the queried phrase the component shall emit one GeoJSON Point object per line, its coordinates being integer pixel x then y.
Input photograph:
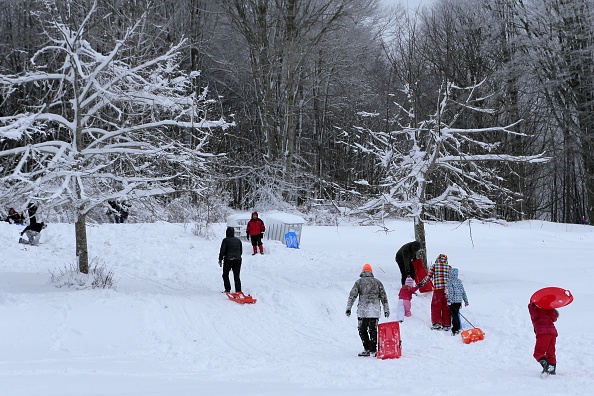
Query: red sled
{"type": "Point", "coordinates": [389, 344]}
{"type": "Point", "coordinates": [420, 274]}
{"type": "Point", "coordinates": [551, 297]}
{"type": "Point", "coordinates": [241, 298]}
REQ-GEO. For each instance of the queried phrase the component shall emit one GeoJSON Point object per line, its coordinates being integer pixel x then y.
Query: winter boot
{"type": "Point", "coordinates": [436, 326]}
{"type": "Point", "coordinates": [261, 249]}
{"type": "Point", "coordinates": [551, 369]}
{"type": "Point", "coordinates": [365, 353]}
{"type": "Point", "coordinates": [255, 250]}
{"type": "Point", "coordinates": [544, 363]}
{"type": "Point", "coordinates": [446, 328]}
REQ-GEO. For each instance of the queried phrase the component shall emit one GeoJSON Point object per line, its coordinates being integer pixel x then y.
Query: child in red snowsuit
{"type": "Point", "coordinates": [255, 231]}
{"type": "Point", "coordinates": [543, 321]}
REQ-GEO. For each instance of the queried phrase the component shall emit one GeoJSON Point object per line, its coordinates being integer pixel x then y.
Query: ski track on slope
{"type": "Point", "coordinates": [169, 319]}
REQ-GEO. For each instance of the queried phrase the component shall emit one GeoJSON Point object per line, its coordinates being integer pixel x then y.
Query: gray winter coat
{"type": "Point", "coordinates": [370, 292]}
{"type": "Point", "coordinates": [454, 290]}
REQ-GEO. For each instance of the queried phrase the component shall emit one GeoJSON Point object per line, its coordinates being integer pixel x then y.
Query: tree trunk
{"type": "Point", "coordinates": [420, 237]}
{"type": "Point", "coordinates": [82, 252]}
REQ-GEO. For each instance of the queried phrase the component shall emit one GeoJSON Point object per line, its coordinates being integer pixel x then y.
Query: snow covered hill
{"type": "Point", "coordinates": [168, 330]}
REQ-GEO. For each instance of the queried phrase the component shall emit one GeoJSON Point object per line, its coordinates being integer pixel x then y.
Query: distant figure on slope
{"type": "Point", "coordinates": [404, 299]}
{"type": "Point", "coordinates": [15, 217]}
{"type": "Point", "coordinates": [33, 230]}
{"type": "Point", "coordinates": [370, 292]}
{"type": "Point", "coordinates": [230, 259]}
{"type": "Point", "coordinates": [255, 231]}
{"type": "Point", "coordinates": [404, 257]}
{"type": "Point", "coordinates": [455, 294]}
{"type": "Point", "coordinates": [543, 321]}
{"type": "Point", "coordinates": [440, 312]}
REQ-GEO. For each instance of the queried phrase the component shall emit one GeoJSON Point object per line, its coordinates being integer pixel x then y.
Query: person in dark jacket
{"type": "Point", "coordinates": [543, 321]}
{"type": "Point", "coordinates": [230, 259]}
{"type": "Point", "coordinates": [404, 257]}
{"type": "Point", "coordinates": [15, 217]}
{"type": "Point", "coordinates": [371, 293]}
{"type": "Point", "coordinates": [34, 228]}
{"type": "Point", "coordinates": [255, 231]}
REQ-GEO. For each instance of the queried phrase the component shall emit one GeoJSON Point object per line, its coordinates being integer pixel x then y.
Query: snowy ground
{"type": "Point", "coordinates": [168, 330]}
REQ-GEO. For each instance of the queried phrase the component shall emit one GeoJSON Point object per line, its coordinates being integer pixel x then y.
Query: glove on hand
{"type": "Point", "coordinates": [465, 304]}
{"type": "Point", "coordinates": [247, 236]}
{"type": "Point", "coordinates": [348, 312]}
{"type": "Point", "coordinates": [387, 313]}
{"type": "Point", "coordinates": [220, 263]}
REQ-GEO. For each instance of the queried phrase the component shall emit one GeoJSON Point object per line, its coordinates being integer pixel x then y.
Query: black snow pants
{"type": "Point", "coordinates": [368, 333]}
{"type": "Point", "coordinates": [235, 266]}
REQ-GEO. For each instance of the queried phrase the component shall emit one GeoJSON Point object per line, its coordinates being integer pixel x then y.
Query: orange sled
{"type": "Point", "coordinates": [241, 298]}
{"type": "Point", "coordinates": [472, 335]}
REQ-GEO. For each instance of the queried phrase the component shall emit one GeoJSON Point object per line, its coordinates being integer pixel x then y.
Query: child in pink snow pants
{"type": "Point", "coordinates": [404, 299]}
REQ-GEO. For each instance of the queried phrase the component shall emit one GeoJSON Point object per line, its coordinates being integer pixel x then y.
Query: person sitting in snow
{"type": "Point", "coordinates": [404, 257]}
{"type": "Point", "coordinates": [440, 312]}
{"type": "Point", "coordinates": [230, 259]}
{"type": "Point", "coordinates": [370, 292]}
{"type": "Point", "coordinates": [34, 228]}
{"type": "Point", "coordinates": [15, 217]}
{"type": "Point", "coordinates": [404, 299]}
{"type": "Point", "coordinates": [455, 294]}
{"type": "Point", "coordinates": [255, 231]}
{"type": "Point", "coordinates": [543, 321]}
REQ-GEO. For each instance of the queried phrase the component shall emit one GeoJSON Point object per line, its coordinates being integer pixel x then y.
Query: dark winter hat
{"type": "Point", "coordinates": [254, 213]}
{"type": "Point", "coordinates": [416, 245]}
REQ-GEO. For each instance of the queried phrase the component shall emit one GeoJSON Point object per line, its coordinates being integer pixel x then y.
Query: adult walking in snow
{"type": "Point", "coordinates": [230, 259]}
{"type": "Point", "coordinates": [255, 231]}
{"type": "Point", "coordinates": [440, 312]}
{"type": "Point", "coordinates": [404, 257]}
{"type": "Point", "coordinates": [371, 293]}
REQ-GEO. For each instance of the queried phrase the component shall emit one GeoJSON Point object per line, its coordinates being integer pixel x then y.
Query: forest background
{"type": "Point", "coordinates": [459, 109]}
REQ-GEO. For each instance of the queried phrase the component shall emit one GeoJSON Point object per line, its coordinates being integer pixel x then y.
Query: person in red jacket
{"type": "Point", "coordinates": [255, 231]}
{"type": "Point", "coordinates": [543, 321]}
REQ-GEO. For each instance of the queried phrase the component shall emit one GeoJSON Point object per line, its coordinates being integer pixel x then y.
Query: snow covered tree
{"type": "Point", "coordinates": [108, 126]}
{"type": "Point", "coordinates": [435, 166]}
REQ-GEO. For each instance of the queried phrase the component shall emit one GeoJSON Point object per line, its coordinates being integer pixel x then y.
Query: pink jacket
{"type": "Point", "coordinates": [406, 293]}
{"type": "Point", "coordinates": [543, 320]}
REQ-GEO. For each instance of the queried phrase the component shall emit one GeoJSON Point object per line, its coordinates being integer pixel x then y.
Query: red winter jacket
{"type": "Point", "coordinates": [255, 227]}
{"type": "Point", "coordinates": [406, 293]}
{"type": "Point", "coordinates": [543, 320]}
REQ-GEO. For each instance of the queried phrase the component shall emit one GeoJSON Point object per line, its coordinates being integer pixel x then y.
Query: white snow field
{"type": "Point", "coordinates": [168, 330]}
